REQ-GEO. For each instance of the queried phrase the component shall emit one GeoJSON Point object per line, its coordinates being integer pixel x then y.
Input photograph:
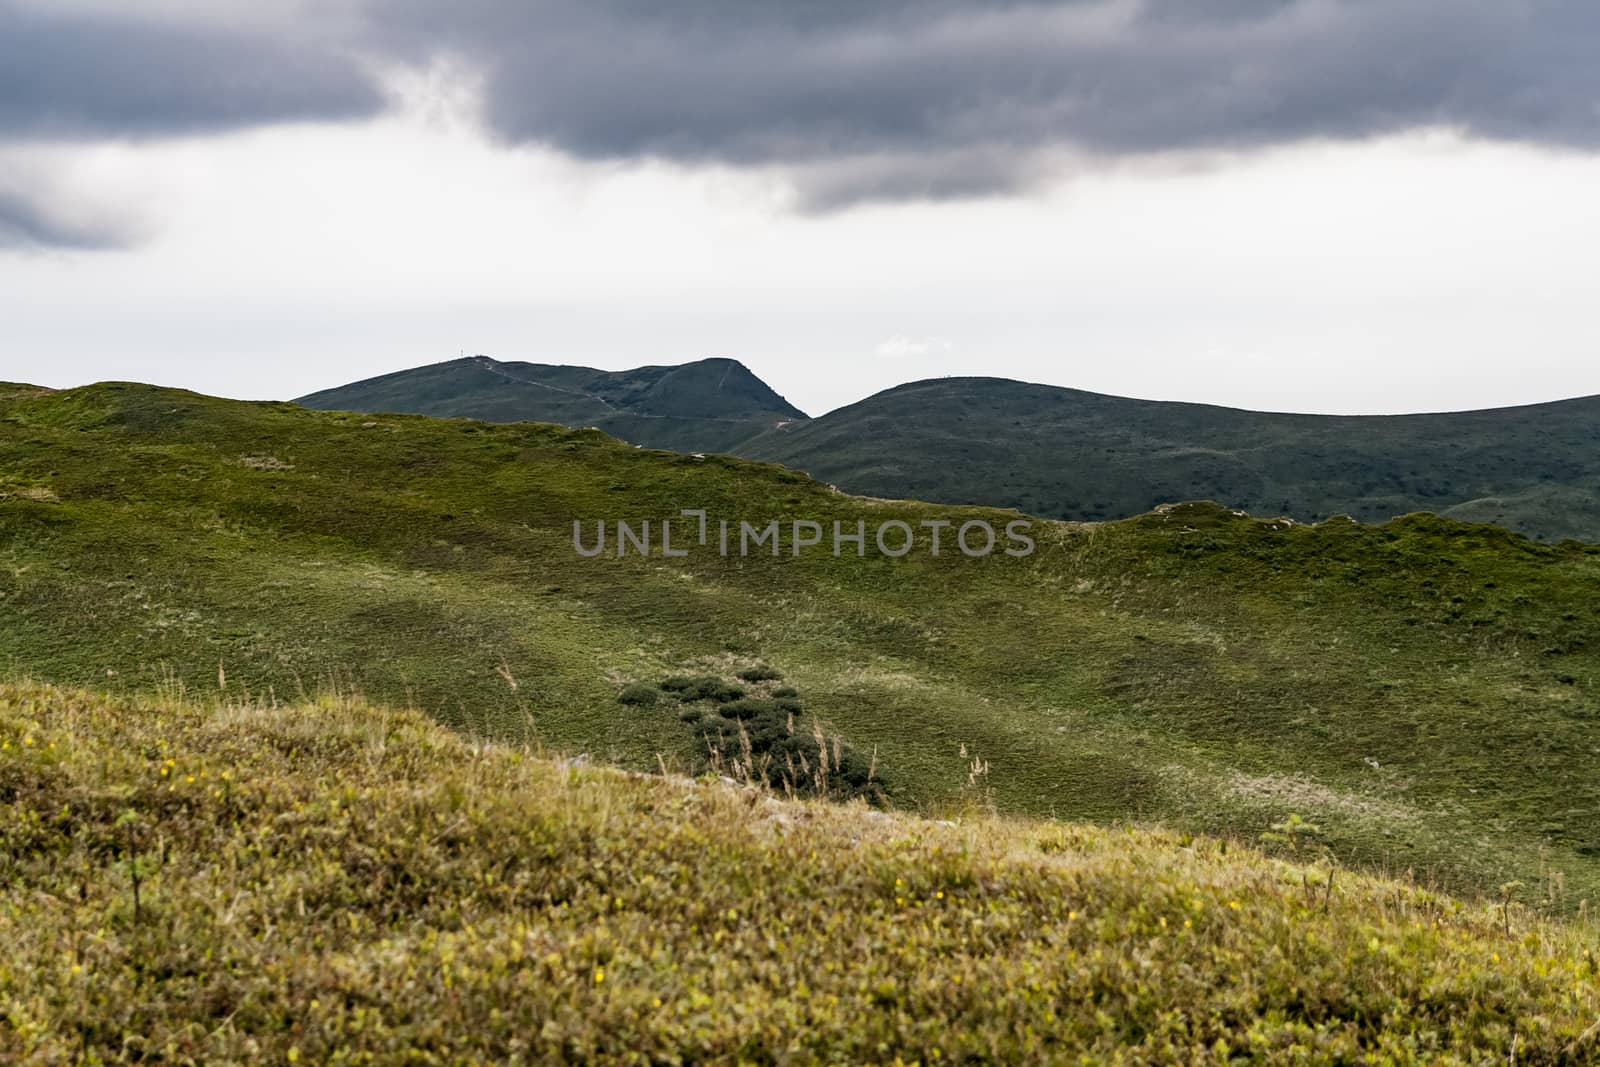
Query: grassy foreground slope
{"type": "Point", "coordinates": [1425, 690]}
{"type": "Point", "coordinates": [334, 883]}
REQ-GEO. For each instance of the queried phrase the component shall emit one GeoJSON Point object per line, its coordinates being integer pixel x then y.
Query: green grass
{"type": "Point", "coordinates": [1425, 690]}
{"type": "Point", "coordinates": [329, 882]}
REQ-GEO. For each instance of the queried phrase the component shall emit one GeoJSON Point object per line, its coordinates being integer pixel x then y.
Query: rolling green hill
{"type": "Point", "coordinates": [1065, 453]}
{"type": "Point", "coordinates": [706, 406]}
{"type": "Point", "coordinates": [1076, 455]}
{"type": "Point", "coordinates": [1424, 690]}
{"type": "Point", "coordinates": [232, 881]}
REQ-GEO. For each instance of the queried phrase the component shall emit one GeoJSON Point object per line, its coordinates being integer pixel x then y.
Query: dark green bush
{"type": "Point", "coordinates": [703, 687]}
{"type": "Point", "coordinates": [748, 708]}
{"type": "Point", "coordinates": [783, 748]}
{"type": "Point", "coordinates": [760, 674]}
{"type": "Point", "coordinates": [638, 693]}
{"type": "Point", "coordinates": [767, 733]}
{"type": "Point", "coordinates": [714, 725]}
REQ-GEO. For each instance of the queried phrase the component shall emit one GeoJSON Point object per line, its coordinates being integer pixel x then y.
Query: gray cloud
{"type": "Point", "coordinates": [73, 76]}
{"type": "Point", "coordinates": [29, 221]}
{"type": "Point", "coordinates": [934, 98]}
{"type": "Point", "coordinates": [855, 100]}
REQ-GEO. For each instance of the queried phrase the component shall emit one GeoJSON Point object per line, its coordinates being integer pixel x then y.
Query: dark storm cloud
{"type": "Point", "coordinates": [125, 76]}
{"type": "Point", "coordinates": [898, 99]}
{"type": "Point", "coordinates": [854, 99]}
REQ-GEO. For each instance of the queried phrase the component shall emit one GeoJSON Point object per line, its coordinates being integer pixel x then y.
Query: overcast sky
{"type": "Point", "coordinates": [1314, 205]}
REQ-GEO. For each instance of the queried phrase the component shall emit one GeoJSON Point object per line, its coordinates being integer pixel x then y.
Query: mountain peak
{"type": "Point", "coordinates": [707, 405]}
{"type": "Point", "coordinates": [715, 387]}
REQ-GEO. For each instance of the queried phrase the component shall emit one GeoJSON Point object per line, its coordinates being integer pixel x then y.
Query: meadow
{"type": "Point", "coordinates": [227, 881]}
{"type": "Point", "coordinates": [1422, 690]}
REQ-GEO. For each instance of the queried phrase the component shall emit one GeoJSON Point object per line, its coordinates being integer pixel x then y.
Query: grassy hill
{"type": "Point", "coordinates": [1070, 454]}
{"type": "Point", "coordinates": [706, 406]}
{"type": "Point", "coordinates": [1424, 690]}
{"type": "Point", "coordinates": [1062, 453]}
{"type": "Point", "coordinates": [328, 882]}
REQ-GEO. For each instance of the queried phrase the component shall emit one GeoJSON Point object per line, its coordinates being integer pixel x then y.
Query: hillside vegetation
{"type": "Point", "coordinates": [1423, 690]}
{"type": "Point", "coordinates": [1071, 454]}
{"type": "Point", "coordinates": [1062, 453]}
{"type": "Point", "coordinates": [328, 882]}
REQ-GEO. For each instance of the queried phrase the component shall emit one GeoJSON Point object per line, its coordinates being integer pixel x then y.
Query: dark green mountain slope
{"type": "Point", "coordinates": [1076, 455]}
{"type": "Point", "coordinates": [1426, 691]}
{"type": "Point", "coordinates": [708, 405]}
{"type": "Point", "coordinates": [1062, 453]}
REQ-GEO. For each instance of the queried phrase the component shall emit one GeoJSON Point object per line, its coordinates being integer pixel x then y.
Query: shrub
{"type": "Point", "coordinates": [748, 708]}
{"type": "Point", "coordinates": [765, 740]}
{"type": "Point", "coordinates": [786, 692]}
{"type": "Point", "coordinates": [767, 734]}
{"type": "Point", "coordinates": [760, 674]}
{"type": "Point", "coordinates": [704, 687]}
{"type": "Point", "coordinates": [855, 769]}
{"type": "Point", "coordinates": [638, 693]}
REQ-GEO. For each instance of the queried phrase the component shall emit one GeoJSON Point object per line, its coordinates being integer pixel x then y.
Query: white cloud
{"type": "Point", "coordinates": [902, 347]}
{"type": "Point", "coordinates": [54, 197]}
{"type": "Point", "coordinates": [1404, 274]}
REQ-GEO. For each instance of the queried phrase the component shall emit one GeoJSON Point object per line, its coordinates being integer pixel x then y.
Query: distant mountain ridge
{"type": "Point", "coordinates": [707, 405]}
{"type": "Point", "coordinates": [1066, 453]}
{"type": "Point", "coordinates": [1058, 452]}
